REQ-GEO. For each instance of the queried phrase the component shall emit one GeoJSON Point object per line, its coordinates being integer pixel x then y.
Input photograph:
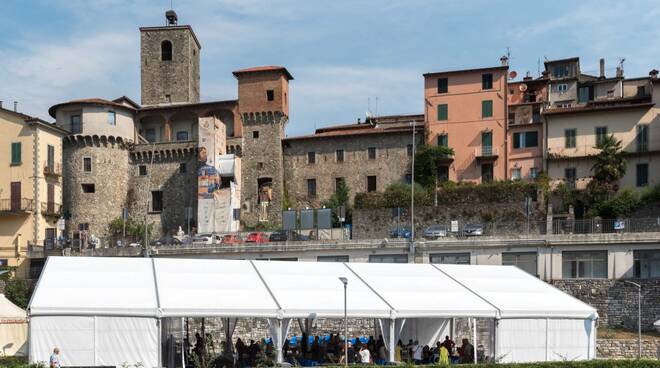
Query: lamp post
{"type": "Point", "coordinates": [412, 195]}
{"type": "Point", "coordinates": [639, 317]}
{"type": "Point", "coordinates": [345, 282]}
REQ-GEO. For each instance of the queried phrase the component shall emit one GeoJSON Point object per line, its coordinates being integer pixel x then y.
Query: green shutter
{"type": "Point", "coordinates": [443, 140]}
{"type": "Point", "coordinates": [16, 153]}
{"type": "Point", "coordinates": [487, 108]}
{"type": "Point", "coordinates": [443, 112]}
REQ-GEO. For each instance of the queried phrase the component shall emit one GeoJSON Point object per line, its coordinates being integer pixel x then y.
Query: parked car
{"type": "Point", "coordinates": [401, 233]}
{"type": "Point", "coordinates": [283, 235]}
{"type": "Point", "coordinates": [166, 240]}
{"type": "Point", "coordinates": [256, 237]}
{"type": "Point", "coordinates": [206, 238]}
{"type": "Point", "coordinates": [473, 230]}
{"type": "Point", "coordinates": [435, 231]}
{"type": "Point", "coordinates": [231, 239]}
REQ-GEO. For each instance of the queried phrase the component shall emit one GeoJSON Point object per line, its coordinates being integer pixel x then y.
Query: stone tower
{"type": "Point", "coordinates": [169, 63]}
{"type": "Point", "coordinates": [263, 104]}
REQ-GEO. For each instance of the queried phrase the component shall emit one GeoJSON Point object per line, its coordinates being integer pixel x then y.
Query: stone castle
{"type": "Point", "coordinates": [144, 156]}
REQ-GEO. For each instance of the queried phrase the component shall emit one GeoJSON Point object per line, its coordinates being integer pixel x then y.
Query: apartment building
{"type": "Point", "coordinates": [30, 186]}
{"type": "Point", "coordinates": [582, 109]}
{"type": "Point", "coordinates": [466, 111]}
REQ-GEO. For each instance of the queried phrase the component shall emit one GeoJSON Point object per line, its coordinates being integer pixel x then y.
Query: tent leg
{"type": "Point", "coordinates": [391, 339]}
{"type": "Point", "coordinates": [474, 339]}
{"type": "Point", "coordinates": [280, 356]}
{"type": "Point", "coordinates": [452, 328]}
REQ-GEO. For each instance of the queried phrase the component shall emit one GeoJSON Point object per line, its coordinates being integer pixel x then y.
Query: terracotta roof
{"type": "Point", "coordinates": [88, 101]}
{"type": "Point", "coordinates": [588, 108]}
{"type": "Point", "coordinates": [266, 68]}
{"type": "Point", "coordinates": [354, 130]}
{"type": "Point", "coordinates": [503, 67]}
{"type": "Point", "coordinates": [127, 100]}
{"type": "Point", "coordinates": [36, 121]}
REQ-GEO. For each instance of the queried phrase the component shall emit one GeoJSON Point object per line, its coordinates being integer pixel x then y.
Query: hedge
{"type": "Point", "coordinates": [398, 194]}
{"type": "Point", "coordinates": [564, 364]}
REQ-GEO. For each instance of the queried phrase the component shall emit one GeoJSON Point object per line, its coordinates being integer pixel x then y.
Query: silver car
{"type": "Point", "coordinates": [473, 230]}
{"type": "Point", "coordinates": [435, 231]}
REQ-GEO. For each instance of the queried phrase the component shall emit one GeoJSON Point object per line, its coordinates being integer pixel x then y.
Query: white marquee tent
{"type": "Point", "coordinates": [107, 311]}
{"type": "Point", "coordinates": [13, 328]}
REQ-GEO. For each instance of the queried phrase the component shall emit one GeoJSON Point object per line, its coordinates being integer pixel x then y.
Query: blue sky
{"type": "Point", "coordinates": [341, 52]}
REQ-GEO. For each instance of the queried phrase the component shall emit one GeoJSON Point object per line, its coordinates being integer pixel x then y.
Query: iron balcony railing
{"type": "Point", "coordinates": [51, 209]}
{"type": "Point", "coordinates": [17, 205]}
{"type": "Point", "coordinates": [486, 151]}
{"type": "Point", "coordinates": [52, 168]}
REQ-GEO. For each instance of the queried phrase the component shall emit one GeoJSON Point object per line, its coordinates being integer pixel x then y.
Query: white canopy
{"type": "Point", "coordinates": [10, 311]}
{"type": "Point", "coordinates": [168, 287]}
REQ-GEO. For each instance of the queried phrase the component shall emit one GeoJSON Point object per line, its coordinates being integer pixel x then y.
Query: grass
{"type": "Point", "coordinates": [621, 334]}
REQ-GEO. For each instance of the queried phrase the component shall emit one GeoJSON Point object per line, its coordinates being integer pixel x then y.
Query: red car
{"type": "Point", "coordinates": [257, 238]}
{"type": "Point", "coordinates": [231, 239]}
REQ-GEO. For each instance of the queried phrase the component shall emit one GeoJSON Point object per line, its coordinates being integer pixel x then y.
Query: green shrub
{"type": "Point", "coordinates": [563, 364]}
{"type": "Point", "coordinates": [13, 362]}
{"type": "Point", "coordinates": [624, 203]}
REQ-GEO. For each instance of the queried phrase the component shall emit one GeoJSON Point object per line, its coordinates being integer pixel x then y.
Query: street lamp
{"type": "Point", "coordinates": [412, 194]}
{"type": "Point", "coordinates": [345, 282]}
{"type": "Point", "coordinates": [639, 317]}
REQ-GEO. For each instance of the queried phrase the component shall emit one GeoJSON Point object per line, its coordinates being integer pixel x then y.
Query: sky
{"type": "Point", "coordinates": [343, 54]}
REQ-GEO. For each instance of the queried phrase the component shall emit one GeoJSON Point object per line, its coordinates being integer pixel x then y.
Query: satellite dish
{"type": "Point", "coordinates": [523, 87]}
{"type": "Point", "coordinates": [513, 74]}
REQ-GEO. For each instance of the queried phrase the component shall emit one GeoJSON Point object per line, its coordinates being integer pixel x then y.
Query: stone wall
{"type": "Point", "coordinates": [392, 164]}
{"type": "Point", "coordinates": [179, 77]}
{"type": "Point", "coordinates": [109, 175]}
{"type": "Point", "coordinates": [498, 218]}
{"type": "Point", "coordinates": [179, 188]}
{"type": "Point", "coordinates": [627, 349]}
{"type": "Point", "coordinates": [616, 301]}
{"type": "Point", "coordinates": [262, 160]}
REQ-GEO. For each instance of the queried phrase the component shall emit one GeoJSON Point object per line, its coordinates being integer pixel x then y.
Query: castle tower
{"type": "Point", "coordinates": [263, 104]}
{"type": "Point", "coordinates": [169, 63]}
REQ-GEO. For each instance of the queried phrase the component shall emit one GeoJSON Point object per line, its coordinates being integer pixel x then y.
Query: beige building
{"type": "Point", "coordinates": [583, 109]}
{"type": "Point", "coordinates": [30, 186]}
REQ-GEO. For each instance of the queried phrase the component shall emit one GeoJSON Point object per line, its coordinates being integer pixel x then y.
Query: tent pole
{"type": "Point", "coordinates": [280, 356]}
{"type": "Point", "coordinates": [391, 342]}
{"type": "Point", "coordinates": [452, 331]}
{"type": "Point", "coordinates": [474, 339]}
{"type": "Point", "coordinates": [547, 338]}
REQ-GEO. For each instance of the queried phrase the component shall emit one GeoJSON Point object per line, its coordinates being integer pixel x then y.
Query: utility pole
{"type": "Point", "coordinates": [412, 187]}
{"type": "Point", "coordinates": [345, 282]}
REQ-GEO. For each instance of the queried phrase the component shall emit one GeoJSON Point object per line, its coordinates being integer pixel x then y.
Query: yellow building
{"type": "Point", "coordinates": [30, 187]}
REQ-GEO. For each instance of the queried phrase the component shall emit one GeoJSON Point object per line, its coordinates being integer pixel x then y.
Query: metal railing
{"type": "Point", "coordinates": [51, 209]}
{"type": "Point", "coordinates": [52, 168]}
{"type": "Point", "coordinates": [17, 205]}
{"type": "Point", "coordinates": [486, 151]}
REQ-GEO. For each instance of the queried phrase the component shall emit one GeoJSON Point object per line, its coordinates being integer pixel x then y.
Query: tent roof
{"type": "Point", "coordinates": [171, 287]}
{"type": "Point", "coordinates": [9, 310]}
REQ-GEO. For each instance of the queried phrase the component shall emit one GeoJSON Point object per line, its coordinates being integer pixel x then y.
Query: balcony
{"type": "Point", "coordinates": [51, 209]}
{"type": "Point", "coordinates": [486, 153]}
{"type": "Point", "coordinates": [53, 169]}
{"type": "Point", "coordinates": [16, 206]}
{"type": "Point", "coordinates": [446, 158]}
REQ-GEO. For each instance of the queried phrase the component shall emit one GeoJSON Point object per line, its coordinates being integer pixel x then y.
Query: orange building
{"type": "Point", "coordinates": [467, 110]}
{"type": "Point", "coordinates": [525, 127]}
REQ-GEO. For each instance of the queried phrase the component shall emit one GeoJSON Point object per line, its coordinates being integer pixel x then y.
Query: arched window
{"type": "Point", "coordinates": [166, 50]}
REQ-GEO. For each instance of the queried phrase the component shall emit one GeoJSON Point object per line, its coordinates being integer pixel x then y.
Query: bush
{"type": "Point", "coordinates": [13, 362]}
{"type": "Point", "coordinates": [624, 203]}
{"type": "Point", "coordinates": [644, 363]}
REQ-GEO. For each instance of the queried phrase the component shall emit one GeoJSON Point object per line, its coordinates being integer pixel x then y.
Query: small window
{"type": "Point", "coordinates": [560, 71]}
{"type": "Point", "coordinates": [443, 173]}
{"type": "Point", "coordinates": [311, 188]}
{"type": "Point", "coordinates": [486, 108]}
{"type": "Point", "coordinates": [311, 158]}
{"type": "Point", "coordinates": [112, 118]}
{"type": "Point", "coordinates": [371, 183]}
{"type": "Point", "coordinates": [443, 85]}
{"type": "Point", "coordinates": [142, 170]}
{"type": "Point", "coordinates": [260, 165]}
{"type": "Point", "coordinates": [87, 164]}
{"type": "Point", "coordinates": [76, 124]}
{"type": "Point", "coordinates": [450, 258]}
{"type": "Point", "coordinates": [487, 81]}
{"type": "Point", "coordinates": [16, 153]}
{"type": "Point", "coordinates": [570, 138]}
{"type": "Point", "coordinates": [533, 173]}
{"type": "Point", "coordinates": [515, 173]}
{"type": "Point", "coordinates": [168, 98]}
{"type": "Point", "coordinates": [570, 174]}
{"type": "Point", "coordinates": [50, 159]}
{"type": "Point", "coordinates": [642, 138]}
{"type": "Point", "coordinates": [156, 201]}
{"type": "Point", "coordinates": [88, 188]}
{"type": "Point", "coordinates": [182, 136]}
{"type": "Point", "coordinates": [443, 140]}
{"type": "Point", "coordinates": [339, 155]}
{"type": "Point", "coordinates": [525, 139]}
{"type": "Point", "coordinates": [562, 88]}
{"type": "Point", "coordinates": [270, 95]}
{"type": "Point", "coordinates": [584, 265]}
{"type": "Point", "coordinates": [443, 112]}
{"type": "Point", "coordinates": [83, 226]}
{"type": "Point", "coordinates": [255, 134]}
{"type": "Point", "coordinates": [183, 168]}
{"type": "Point", "coordinates": [338, 182]}
{"type": "Point", "coordinates": [486, 173]}
{"type": "Point", "coordinates": [166, 51]}
{"type": "Point", "coordinates": [641, 91]}
{"type": "Point", "coordinates": [601, 133]}
{"type": "Point", "coordinates": [642, 175]}
{"type": "Point", "coordinates": [371, 153]}
{"type": "Point", "coordinates": [409, 150]}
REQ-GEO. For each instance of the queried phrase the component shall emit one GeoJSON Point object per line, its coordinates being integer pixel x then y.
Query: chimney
{"type": "Point", "coordinates": [653, 74]}
{"type": "Point", "coordinates": [602, 68]}
{"type": "Point", "coordinates": [0, 104]}
{"type": "Point", "coordinates": [15, 106]}
{"type": "Point", "coordinates": [504, 60]}
{"type": "Point", "coordinates": [619, 72]}
{"type": "Point", "coordinates": [358, 120]}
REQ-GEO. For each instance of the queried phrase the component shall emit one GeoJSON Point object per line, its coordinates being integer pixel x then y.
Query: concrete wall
{"type": "Point", "coordinates": [465, 123]}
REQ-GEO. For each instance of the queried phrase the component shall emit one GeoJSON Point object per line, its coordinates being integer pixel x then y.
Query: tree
{"type": "Point", "coordinates": [16, 290]}
{"type": "Point", "coordinates": [340, 197]}
{"type": "Point", "coordinates": [427, 161]}
{"type": "Point", "coordinates": [134, 227]}
{"type": "Point", "coordinates": [610, 166]}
